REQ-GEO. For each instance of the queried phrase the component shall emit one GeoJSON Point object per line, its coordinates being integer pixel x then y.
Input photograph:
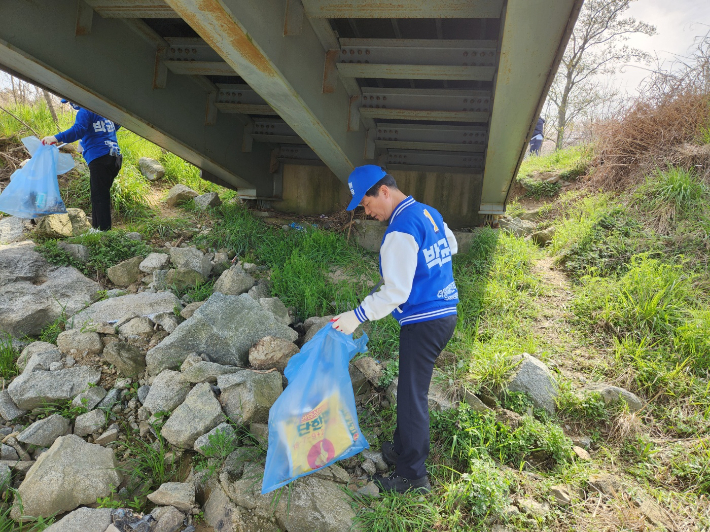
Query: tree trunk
{"type": "Point", "coordinates": [14, 91]}
{"type": "Point", "coordinates": [562, 113]}
{"type": "Point", "coordinates": [48, 99]}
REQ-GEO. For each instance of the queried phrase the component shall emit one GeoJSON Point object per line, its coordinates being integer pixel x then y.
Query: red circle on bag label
{"type": "Point", "coordinates": [320, 454]}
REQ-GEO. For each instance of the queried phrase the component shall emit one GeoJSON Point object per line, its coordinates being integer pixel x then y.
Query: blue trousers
{"type": "Point", "coordinates": [535, 145]}
{"type": "Point", "coordinates": [419, 345]}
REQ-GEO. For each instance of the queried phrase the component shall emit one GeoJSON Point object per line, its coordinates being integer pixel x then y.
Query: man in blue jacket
{"type": "Point", "coordinates": [537, 138]}
{"type": "Point", "coordinates": [102, 154]}
{"type": "Point", "coordinates": [419, 290]}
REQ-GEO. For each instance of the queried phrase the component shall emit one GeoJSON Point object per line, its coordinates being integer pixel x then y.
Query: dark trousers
{"type": "Point", "coordinates": [419, 345]}
{"type": "Point", "coordinates": [535, 145]}
{"type": "Point", "coordinates": [102, 171]}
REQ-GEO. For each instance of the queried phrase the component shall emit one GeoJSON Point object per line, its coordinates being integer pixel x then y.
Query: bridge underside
{"type": "Point", "coordinates": [242, 87]}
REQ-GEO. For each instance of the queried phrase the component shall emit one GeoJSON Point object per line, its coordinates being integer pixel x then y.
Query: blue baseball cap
{"type": "Point", "coordinates": [361, 180]}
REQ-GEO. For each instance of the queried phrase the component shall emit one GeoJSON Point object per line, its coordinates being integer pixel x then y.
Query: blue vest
{"type": "Point", "coordinates": [434, 293]}
{"type": "Point", "coordinates": [97, 134]}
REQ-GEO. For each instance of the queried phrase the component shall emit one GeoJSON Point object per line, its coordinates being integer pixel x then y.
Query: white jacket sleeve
{"type": "Point", "coordinates": [453, 245]}
{"type": "Point", "coordinates": [399, 262]}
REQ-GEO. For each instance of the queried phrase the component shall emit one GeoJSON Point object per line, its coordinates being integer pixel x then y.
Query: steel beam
{"type": "Point", "coordinates": [425, 104]}
{"type": "Point", "coordinates": [275, 131]}
{"type": "Point", "coordinates": [286, 72]}
{"type": "Point", "coordinates": [402, 9]}
{"type": "Point", "coordinates": [430, 137]}
{"type": "Point", "coordinates": [37, 40]}
{"type": "Point", "coordinates": [241, 99]}
{"type": "Point", "coordinates": [527, 66]}
{"type": "Point", "coordinates": [418, 52]}
{"type": "Point", "coordinates": [132, 8]}
{"type": "Point", "coordinates": [470, 73]}
{"type": "Point", "coordinates": [435, 158]}
{"type": "Point", "coordinates": [200, 68]}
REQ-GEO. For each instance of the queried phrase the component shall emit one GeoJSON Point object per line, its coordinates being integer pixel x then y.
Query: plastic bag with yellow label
{"type": "Point", "coordinates": [313, 423]}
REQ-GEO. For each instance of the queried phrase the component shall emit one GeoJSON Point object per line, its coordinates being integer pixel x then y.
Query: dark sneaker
{"type": "Point", "coordinates": [389, 454]}
{"type": "Point", "coordinates": [402, 485]}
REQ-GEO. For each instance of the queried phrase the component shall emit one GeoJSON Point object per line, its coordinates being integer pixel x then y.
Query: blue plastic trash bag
{"type": "Point", "coordinates": [33, 190]}
{"type": "Point", "coordinates": [313, 423]}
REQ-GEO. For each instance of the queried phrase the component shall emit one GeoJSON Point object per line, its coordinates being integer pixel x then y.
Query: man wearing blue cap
{"type": "Point", "coordinates": [101, 153]}
{"type": "Point", "coordinates": [419, 290]}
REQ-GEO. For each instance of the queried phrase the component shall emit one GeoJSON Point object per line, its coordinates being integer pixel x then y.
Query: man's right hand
{"type": "Point", "coordinates": [49, 140]}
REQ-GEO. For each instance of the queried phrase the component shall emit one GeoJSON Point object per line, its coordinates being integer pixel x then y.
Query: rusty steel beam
{"type": "Point", "coordinates": [403, 8]}
{"type": "Point", "coordinates": [287, 72]}
{"type": "Point", "coordinates": [132, 8]}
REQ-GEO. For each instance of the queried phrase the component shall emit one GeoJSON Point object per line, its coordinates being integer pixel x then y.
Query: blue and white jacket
{"type": "Point", "coordinates": [415, 264]}
{"type": "Point", "coordinates": [97, 134]}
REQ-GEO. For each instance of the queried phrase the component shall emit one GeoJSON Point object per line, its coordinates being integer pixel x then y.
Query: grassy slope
{"type": "Point", "coordinates": [636, 281]}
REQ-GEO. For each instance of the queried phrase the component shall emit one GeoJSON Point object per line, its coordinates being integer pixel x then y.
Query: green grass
{"type": "Point", "coordinates": [571, 162]}
{"type": "Point", "coordinates": [674, 192]}
{"type": "Point", "coordinates": [8, 357]}
{"type": "Point", "coordinates": [299, 260]}
{"type": "Point", "coordinates": [106, 249]}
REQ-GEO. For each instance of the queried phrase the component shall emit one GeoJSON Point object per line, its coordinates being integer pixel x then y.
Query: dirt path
{"type": "Point", "coordinates": [554, 328]}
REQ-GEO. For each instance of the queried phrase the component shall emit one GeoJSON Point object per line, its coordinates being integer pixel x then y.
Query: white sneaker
{"type": "Point", "coordinates": [93, 231]}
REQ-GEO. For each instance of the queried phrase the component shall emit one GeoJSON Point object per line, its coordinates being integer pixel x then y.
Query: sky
{"type": "Point", "coordinates": [678, 23]}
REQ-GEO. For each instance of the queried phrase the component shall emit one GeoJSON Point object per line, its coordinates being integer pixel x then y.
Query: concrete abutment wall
{"type": "Point", "coordinates": [315, 190]}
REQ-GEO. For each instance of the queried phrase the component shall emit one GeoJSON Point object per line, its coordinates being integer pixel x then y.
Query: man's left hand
{"type": "Point", "coordinates": [346, 322]}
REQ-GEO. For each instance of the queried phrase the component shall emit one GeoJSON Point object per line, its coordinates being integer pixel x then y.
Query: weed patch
{"type": "Point", "coordinates": [8, 357]}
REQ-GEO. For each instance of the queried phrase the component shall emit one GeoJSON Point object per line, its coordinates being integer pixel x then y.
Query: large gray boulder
{"type": "Point", "coordinates": [79, 222]}
{"type": "Point", "coordinates": [199, 414]}
{"type": "Point", "coordinates": [154, 261]}
{"type": "Point", "coordinates": [224, 328]}
{"type": "Point", "coordinates": [36, 348]}
{"type": "Point", "coordinates": [517, 226]}
{"type": "Point", "coordinates": [54, 226]}
{"type": "Point", "coordinates": [248, 395]}
{"type": "Point", "coordinates": [20, 262]}
{"type": "Point", "coordinates": [167, 392]}
{"type": "Point", "coordinates": [271, 352]}
{"type": "Point", "coordinates": [181, 495]}
{"type": "Point", "coordinates": [37, 388]}
{"type": "Point", "coordinates": [89, 423]}
{"type": "Point", "coordinates": [119, 309]}
{"type": "Point", "coordinates": [613, 394]}
{"type": "Point", "coordinates": [179, 194]}
{"type": "Point", "coordinates": [13, 229]}
{"type": "Point", "coordinates": [126, 272]}
{"type": "Point", "coordinates": [76, 251]}
{"type": "Point", "coordinates": [533, 377]}
{"type": "Point", "coordinates": [276, 306]}
{"type": "Point", "coordinates": [83, 520]}
{"type": "Point", "coordinates": [151, 169]}
{"type": "Point", "coordinates": [196, 370]}
{"type": "Point", "coordinates": [26, 307]}
{"type": "Point", "coordinates": [79, 342]}
{"type": "Point", "coordinates": [70, 473]}
{"type": "Point", "coordinates": [211, 199]}
{"type": "Point", "coordinates": [128, 360]}
{"type": "Point", "coordinates": [42, 433]}
{"type": "Point", "coordinates": [8, 408]}
{"type": "Point", "coordinates": [38, 355]}
{"type": "Point", "coordinates": [191, 259]}
{"type": "Point", "coordinates": [314, 504]}
{"type": "Point", "coordinates": [234, 281]}
{"type": "Point", "coordinates": [182, 278]}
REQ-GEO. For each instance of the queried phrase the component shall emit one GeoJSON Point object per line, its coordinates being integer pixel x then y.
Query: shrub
{"type": "Point", "coordinates": [481, 492]}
